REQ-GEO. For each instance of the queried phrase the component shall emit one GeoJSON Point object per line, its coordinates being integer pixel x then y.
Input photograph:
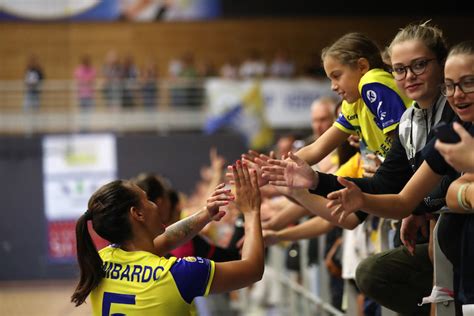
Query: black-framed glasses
{"type": "Point", "coordinates": [417, 68]}
{"type": "Point", "coordinates": [466, 85]}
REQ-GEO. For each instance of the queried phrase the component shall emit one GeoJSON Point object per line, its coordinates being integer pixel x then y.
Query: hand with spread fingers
{"type": "Point", "coordinates": [292, 172]}
{"type": "Point", "coordinates": [247, 191]}
{"type": "Point", "coordinates": [220, 197]}
{"type": "Point", "coordinates": [254, 161]}
{"type": "Point", "coordinates": [345, 201]}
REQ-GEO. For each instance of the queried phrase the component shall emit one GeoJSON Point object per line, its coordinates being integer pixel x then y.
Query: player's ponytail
{"type": "Point", "coordinates": [108, 209]}
{"type": "Point", "coordinates": [90, 263]}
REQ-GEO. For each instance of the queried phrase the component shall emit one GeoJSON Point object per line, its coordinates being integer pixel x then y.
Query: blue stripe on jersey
{"type": "Point", "coordinates": [344, 122]}
{"type": "Point", "coordinates": [384, 103]}
{"type": "Point", "coordinates": [191, 275]}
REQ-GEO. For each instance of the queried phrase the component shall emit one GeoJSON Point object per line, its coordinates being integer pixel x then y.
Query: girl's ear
{"type": "Point", "coordinates": [363, 65]}
{"type": "Point", "coordinates": [137, 214]}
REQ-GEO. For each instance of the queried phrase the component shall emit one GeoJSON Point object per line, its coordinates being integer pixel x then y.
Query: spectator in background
{"type": "Point", "coordinates": [282, 66]}
{"type": "Point", "coordinates": [253, 66]}
{"type": "Point", "coordinates": [230, 69]}
{"type": "Point", "coordinates": [185, 88]}
{"type": "Point", "coordinates": [112, 72]}
{"type": "Point", "coordinates": [207, 69]}
{"type": "Point", "coordinates": [33, 78]}
{"type": "Point", "coordinates": [85, 76]}
{"type": "Point", "coordinates": [378, 276]}
{"type": "Point", "coordinates": [149, 85]}
{"type": "Point", "coordinates": [314, 69]}
{"type": "Point", "coordinates": [130, 86]}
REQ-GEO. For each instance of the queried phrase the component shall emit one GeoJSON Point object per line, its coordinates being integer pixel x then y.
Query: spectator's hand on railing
{"type": "Point", "coordinates": [345, 201]}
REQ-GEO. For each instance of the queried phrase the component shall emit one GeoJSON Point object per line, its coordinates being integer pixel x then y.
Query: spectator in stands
{"type": "Point", "coordinates": [420, 80]}
{"type": "Point", "coordinates": [207, 69]}
{"type": "Point", "coordinates": [230, 69]}
{"type": "Point", "coordinates": [285, 143]}
{"type": "Point", "coordinates": [372, 104]}
{"type": "Point", "coordinates": [129, 81]}
{"type": "Point", "coordinates": [121, 213]}
{"type": "Point", "coordinates": [85, 76]}
{"type": "Point", "coordinates": [113, 80]}
{"type": "Point", "coordinates": [149, 85]}
{"type": "Point", "coordinates": [33, 79]}
{"type": "Point", "coordinates": [314, 69]}
{"type": "Point", "coordinates": [253, 66]}
{"type": "Point", "coordinates": [354, 248]}
{"type": "Point", "coordinates": [282, 66]}
{"type": "Point", "coordinates": [185, 87]}
{"type": "Point", "coordinates": [454, 232]}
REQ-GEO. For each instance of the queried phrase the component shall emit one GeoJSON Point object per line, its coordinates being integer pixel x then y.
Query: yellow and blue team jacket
{"type": "Point", "coordinates": [376, 113]}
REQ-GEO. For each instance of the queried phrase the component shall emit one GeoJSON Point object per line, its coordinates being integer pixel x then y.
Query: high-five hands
{"type": "Point", "coordinates": [220, 197]}
{"type": "Point", "coordinates": [254, 161]}
{"type": "Point", "coordinates": [247, 192]}
{"type": "Point", "coordinates": [345, 201]}
{"type": "Point", "coordinates": [291, 172]}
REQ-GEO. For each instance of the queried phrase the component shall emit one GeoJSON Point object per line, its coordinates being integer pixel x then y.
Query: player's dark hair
{"type": "Point", "coordinates": [154, 185]}
{"type": "Point", "coordinates": [174, 198]}
{"type": "Point", "coordinates": [108, 209]}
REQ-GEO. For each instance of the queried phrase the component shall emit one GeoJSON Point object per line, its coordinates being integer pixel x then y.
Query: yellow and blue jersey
{"type": "Point", "coordinates": [141, 283]}
{"type": "Point", "coordinates": [376, 113]}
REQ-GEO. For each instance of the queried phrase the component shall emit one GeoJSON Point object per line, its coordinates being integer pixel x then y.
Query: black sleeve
{"type": "Point", "coordinates": [391, 176]}
{"type": "Point", "coordinates": [437, 198]}
{"type": "Point", "coordinates": [202, 248]}
{"type": "Point", "coordinates": [435, 160]}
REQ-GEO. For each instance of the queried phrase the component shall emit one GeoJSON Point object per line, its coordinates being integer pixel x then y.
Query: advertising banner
{"type": "Point", "coordinates": [287, 102]}
{"type": "Point", "coordinates": [74, 167]}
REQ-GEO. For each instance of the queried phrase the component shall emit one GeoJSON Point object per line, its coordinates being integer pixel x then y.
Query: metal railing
{"type": "Point", "coordinates": [293, 297]}
{"type": "Point", "coordinates": [119, 106]}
